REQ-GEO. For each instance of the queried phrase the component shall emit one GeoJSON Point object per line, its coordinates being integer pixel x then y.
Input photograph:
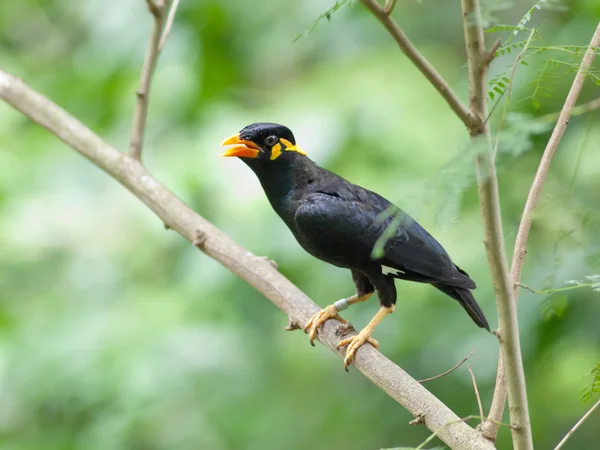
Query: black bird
{"type": "Point", "coordinates": [340, 222]}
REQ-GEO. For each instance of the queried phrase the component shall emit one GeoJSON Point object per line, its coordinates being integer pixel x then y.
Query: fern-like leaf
{"type": "Point", "coordinates": [326, 15]}
{"type": "Point", "coordinates": [588, 392]}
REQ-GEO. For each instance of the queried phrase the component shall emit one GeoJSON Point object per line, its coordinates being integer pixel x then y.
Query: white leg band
{"type": "Point", "coordinates": [341, 305]}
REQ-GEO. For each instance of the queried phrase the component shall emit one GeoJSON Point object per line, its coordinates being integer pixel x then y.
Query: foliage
{"type": "Point", "coordinates": [326, 15]}
{"type": "Point", "coordinates": [594, 388]}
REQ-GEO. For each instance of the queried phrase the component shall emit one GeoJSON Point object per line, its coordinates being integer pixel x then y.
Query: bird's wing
{"type": "Point", "coordinates": [336, 229]}
{"type": "Point", "coordinates": [414, 251]}
{"type": "Point", "coordinates": [343, 223]}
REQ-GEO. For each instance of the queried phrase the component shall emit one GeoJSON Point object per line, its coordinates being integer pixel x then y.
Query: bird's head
{"type": "Point", "coordinates": [263, 143]}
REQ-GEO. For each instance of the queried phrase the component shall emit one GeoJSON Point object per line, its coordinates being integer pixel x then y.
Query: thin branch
{"type": "Point", "coordinates": [407, 47]}
{"type": "Point", "coordinates": [253, 269]}
{"type": "Point", "coordinates": [436, 433]}
{"type": "Point", "coordinates": [489, 57]}
{"type": "Point", "coordinates": [487, 183]}
{"type": "Point", "coordinates": [157, 9]}
{"type": "Point", "coordinates": [577, 425]}
{"type": "Point", "coordinates": [509, 91]}
{"type": "Point", "coordinates": [169, 24]}
{"type": "Point", "coordinates": [449, 370]}
{"type": "Point", "coordinates": [389, 6]}
{"type": "Point", "coordinates": [577, 111]}
{"type": "Point", "coordinates": [476, 393]}
{"type": "Point", "coordinates": [552, 291]}
{"type": "Point", "coordinates": [535, 191]}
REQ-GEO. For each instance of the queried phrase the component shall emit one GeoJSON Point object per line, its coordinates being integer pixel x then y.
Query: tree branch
{"type": "Point", "coordinates": [577, 425]}
{"type": "Point", "coordinates": [169, 25]}
{"type": "Point", "coordinates": [487, 182]}
{"type": "Point", "coordinates": [535, 191]}
{"type": "Point", "coordinates": [157, 9]}
{"type": "Point", "coordinates": [452, 369]}
{"type": "Point", "coordinates": [469, 119]}
{"type": "Point", "coordinates": [578, 110]}
{"type": "Point", "coordinates": [477, 396]}
{"type": "Point", "coordinates": [255, 270]}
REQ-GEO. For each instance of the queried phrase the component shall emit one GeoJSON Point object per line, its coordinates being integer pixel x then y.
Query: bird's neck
{"type": "Point", "coordinates": [283, 180]}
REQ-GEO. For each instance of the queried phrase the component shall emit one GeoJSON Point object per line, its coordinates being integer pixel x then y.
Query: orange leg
{"type": "Point", "coordinates": [355, 342]}
{"type": "Point", "coordinates": [331, 312]}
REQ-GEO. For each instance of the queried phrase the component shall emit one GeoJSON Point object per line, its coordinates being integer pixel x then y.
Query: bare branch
{"type": "Point", "coordinates": [169, 24]}
{"type": "Point", "coordinates": [577, 111]}
{"type": "Point", "coordinates": [157, 8]}
{"type": "Point", "coordinates": [253, 269]}
{"type": "Point", "coordinates": [389, 6]}
{"type": "Point", "coordinates": [487, 183]}
{"type": "Point", "coordinates": [544, 167]}
{"type": "Point", "coordinates": [577, 425]}
{"type": "Point", "coordinates": [449, 370]}
{"type": "Point", "coordinates": [407, 47]}
{"type": "Point", "coordinates": [489, 57]}
{"type": "Point", "coordinates": [464, 419]}
{"type": "Point", "coordinates": [476, 393]}
{"type": "Point", "coordinates": [535, 191]}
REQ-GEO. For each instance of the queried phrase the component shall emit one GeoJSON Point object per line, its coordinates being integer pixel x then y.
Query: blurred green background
{"type": "Point", "coordinates": [117, 334]}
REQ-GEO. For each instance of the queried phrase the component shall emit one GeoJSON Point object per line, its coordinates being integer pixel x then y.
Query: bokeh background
{"type": "Point", "coordinates": [118, 334]}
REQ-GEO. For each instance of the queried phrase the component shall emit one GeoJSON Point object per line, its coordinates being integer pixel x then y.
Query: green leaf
{"type": "Point", "coordinates": [588, 392]}
{"type": "Point", "coordinates": [536, 103]}
{"type": "Point", "coordinates": [326, 15]}
{"type": "Point", "coordinates": [491, 94]}
{"type": "Point", "coordinates": [555, 306]}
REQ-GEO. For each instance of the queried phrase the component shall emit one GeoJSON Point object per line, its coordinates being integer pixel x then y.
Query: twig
{"type": "Point", "coordinates": [577, 425]}
{"type": "Point", "coordinates": [489, 57]}
{"type": "Point", "coordinates": [169, 25]}
{"type": "Point", "coordinates": [449, 370]}
{"type": "Point", "coordinates": [436, 432]}
{"type": "Point", "coordinates": [500, 390]}
{"type": "Point", "coordinates": [408, 48]}
{"type": "Point", "coordinates": [476, 393]}
{"type": "Point", "coordinates": [389, 6]}
{"type": "Point", "coordinates": [487, 183]}
{"type": "Point", "coordinates": [552, 291]}
{"type": "Point", "coordinates": [157, 8]}
{"type": "Point", "coordinates": [256, 271]}
{"type": "Point", "coordinates": [509, 91]}
{"type": "Point", "coordinates": [577, 111]}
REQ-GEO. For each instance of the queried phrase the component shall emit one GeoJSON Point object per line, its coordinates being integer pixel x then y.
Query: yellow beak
{"type": "Point", "coordinates": [242, 148]}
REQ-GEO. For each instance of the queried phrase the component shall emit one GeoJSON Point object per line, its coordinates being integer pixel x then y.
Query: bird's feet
{"type": "Point", "coordinates": [316, 321]}
{"type": "Point", "coordinates": [354, 343]}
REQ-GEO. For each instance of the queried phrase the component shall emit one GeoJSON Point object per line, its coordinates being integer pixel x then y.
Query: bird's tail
{"type": "Point", "coordinates": [468, 302]}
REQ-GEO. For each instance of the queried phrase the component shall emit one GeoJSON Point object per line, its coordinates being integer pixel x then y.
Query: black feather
{"type": "Point", "coordinates": [467, 301]}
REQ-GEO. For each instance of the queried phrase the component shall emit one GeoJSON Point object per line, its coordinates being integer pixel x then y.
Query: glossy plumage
{"type": "Point", "coordinates": [340, 222]}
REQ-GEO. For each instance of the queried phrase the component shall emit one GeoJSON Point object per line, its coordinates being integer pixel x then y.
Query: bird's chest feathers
{"type": "Point", "coordinates": [285, 191]}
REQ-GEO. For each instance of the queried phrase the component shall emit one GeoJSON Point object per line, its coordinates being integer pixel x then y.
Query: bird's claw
{"type": "Point", "coordinates": [316, 321]}
{"type": "Point", "coordinates": [354, 343]}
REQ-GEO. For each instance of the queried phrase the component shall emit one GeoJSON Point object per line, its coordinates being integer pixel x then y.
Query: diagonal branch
{"type": "Point", "coordinates": [383, 15]}
{"type": "Point", "coordinates": [169, 25]}
{"type": "Point", "coordinates": [255, 270]}
{"type": "Point", "coordinates": [577, 425]}
{"type": "Point", "coordinates": [157, 9]}
{"type": "Point", "coordinates": [535, 191]}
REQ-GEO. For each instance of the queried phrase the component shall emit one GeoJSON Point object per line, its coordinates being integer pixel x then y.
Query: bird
{"type": "Point", "coordinates": [340, 223]}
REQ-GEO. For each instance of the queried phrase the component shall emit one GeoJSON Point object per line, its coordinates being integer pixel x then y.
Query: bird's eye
{"type": "Point", "coordinates": [271, 140]}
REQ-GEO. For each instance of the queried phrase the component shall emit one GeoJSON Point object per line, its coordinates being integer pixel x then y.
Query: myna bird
{"type": "Point", "coordinates": [340, 222]}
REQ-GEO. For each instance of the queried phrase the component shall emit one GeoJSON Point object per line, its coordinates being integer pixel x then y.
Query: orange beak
{"type": "Point", "coordinates": [242, 148]}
